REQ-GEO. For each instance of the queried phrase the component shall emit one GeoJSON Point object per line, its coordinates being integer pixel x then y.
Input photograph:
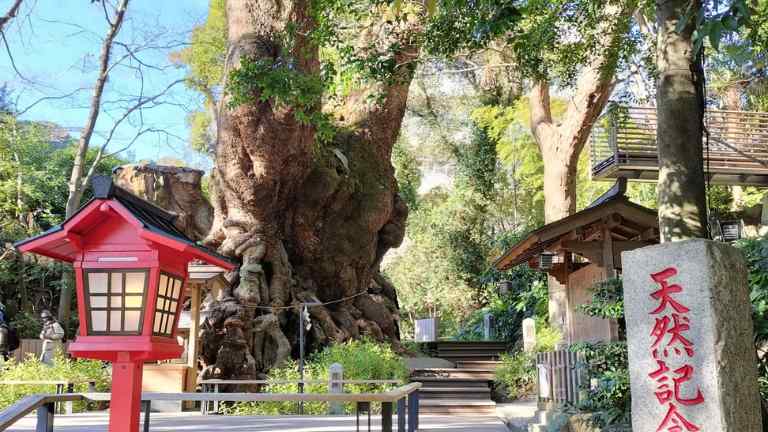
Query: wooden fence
{"type": "Point", "coordinates": [560, 377]}
{"type": "Point", "coordinates": [29, 347]}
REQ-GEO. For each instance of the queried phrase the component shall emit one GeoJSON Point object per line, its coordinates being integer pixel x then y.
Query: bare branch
{"type": "Point", "coordinates": [47, 98]}
{"type": "Point", "coordinates": [11, 14]}
{"type": "Point", "coordinates": [10, 56]}
{"type": "Point", "coordinates": [137, 106]}
{"type": "Point", "coordinates": [75, 181]}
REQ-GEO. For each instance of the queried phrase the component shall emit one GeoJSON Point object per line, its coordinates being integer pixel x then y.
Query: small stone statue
{"type": "Point", "coordinates": [52, 336]}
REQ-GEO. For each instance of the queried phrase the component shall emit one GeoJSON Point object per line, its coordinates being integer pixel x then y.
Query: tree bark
{"type": "Point", "coordinates": [175, 189]}
{"type": "Point", "coordinates": [680, 113]}
{"type": "Point", "coordinates": [310, 223]}
{"type": "Point", "coordinates": [561, 142]}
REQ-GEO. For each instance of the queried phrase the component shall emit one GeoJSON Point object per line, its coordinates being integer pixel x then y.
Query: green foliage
{"type": "Point", "coordinates": [477, 164]}
{"type": "Point", "coordinates": [64, 368]}
{"type": "Point", "coordinates": [361, 360]}
{"type": "Point", "coordinates": [516, 375]}
{"type": "Point", "coordinates": [547, 337]}
{"type": "Point", "coordinates": [607, 300]}
{"type": "Point", "coordinates": [756, 253]}
{"type": "Point", "coordinates": [462, 25]}
{"type": "Point", "coordinates": [262, 80]}
{"type": "Point", "coordinates": [546, 39]}
{"type": "Point", "coordinates": [609, 400]}
{"type": "Point", "coordinates": [407, 174]}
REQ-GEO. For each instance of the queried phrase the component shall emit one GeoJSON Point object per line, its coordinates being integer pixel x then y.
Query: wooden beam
{"type": "Point", "coordinates": [592, 250]}
{"type": "Point", "coordinates": [608, 258]}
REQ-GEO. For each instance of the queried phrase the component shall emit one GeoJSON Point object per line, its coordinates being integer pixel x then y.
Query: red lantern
{"type": "Point", "coordinates": [130, 265]}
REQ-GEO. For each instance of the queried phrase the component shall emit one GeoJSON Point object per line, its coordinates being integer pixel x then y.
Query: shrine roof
{"type": "Point", "coordinates": [152, 219]}
{"type": "Point", "coordinates": [627, 220]}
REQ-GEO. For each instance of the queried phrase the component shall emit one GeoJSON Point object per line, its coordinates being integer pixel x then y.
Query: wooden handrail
{"type": "Point", "coordinates": [390, 396]}
{"type": "Point", "coordinates": [45, 402]}
{"type": "Point", "coordinates": [280, 382]}
{"type": "Point", "coordinates": [13, 413]}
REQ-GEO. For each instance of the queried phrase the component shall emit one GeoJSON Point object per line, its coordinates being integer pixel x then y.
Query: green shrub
{"type": "Point", "coordinates": [361, 360]}
{"type": "Point", "coordinates": [516, 375]}
{"type": "Point", "coordinates": [546, 337]}
{"type": "Point", "coordinates": [609, 400]}
{"type": "Point", "coordinates": [31, 369]}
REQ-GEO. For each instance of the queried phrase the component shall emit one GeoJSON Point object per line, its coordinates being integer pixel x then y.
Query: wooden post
{"type": "Point", "coordinates": [401, 414]}
{"type": "Point", "coordinates": [193, 343]}
{"type": "Point", "coordinates": [386, 417]}
{"type": "Point", "coordinates": [147, 409]}
{"type": "Point", "coordinates": [125, 404]}
{"type": "Point", "coordinates": [45, 415]}
{"type": "Point", "coordinates": [608, 264]}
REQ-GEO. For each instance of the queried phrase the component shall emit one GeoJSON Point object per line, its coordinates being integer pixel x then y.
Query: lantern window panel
{"type": "Point", "coordinates": [116, 300]}
{"type": "Point", "coordinates": [168, 297]}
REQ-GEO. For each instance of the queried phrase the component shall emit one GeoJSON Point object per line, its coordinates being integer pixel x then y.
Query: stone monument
{"type": "Point", "coordinates": [689, 330]}
{"type": "Point", "coordinates": [335, 385]}
{"type": "Point", "coordinates": [529, 334]}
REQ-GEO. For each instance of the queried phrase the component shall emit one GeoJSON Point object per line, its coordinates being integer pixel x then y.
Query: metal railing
{"type": "Point", "coordinates": [625, 138]}
{"type": "Point", "coordinates": [404, 398]}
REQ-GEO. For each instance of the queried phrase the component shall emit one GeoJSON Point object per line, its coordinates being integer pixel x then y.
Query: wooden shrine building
{"type": "Point", "coordinates": [579, 251]}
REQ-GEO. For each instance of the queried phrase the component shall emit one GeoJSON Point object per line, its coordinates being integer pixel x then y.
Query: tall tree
{"type": "Point", "coordinates": [680, 114]}
{"type": "Point", "coordinates": [306, 197]}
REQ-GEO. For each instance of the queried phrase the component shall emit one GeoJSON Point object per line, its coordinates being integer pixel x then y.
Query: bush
{"type": "Point", "coordinates": [609, 400]}
{"type": "Point", "coordinates": [516, 375]}
{"type": "Point", "coordinates": [361, 359]}
{"type": "Point", "coordinates": [78, 370]}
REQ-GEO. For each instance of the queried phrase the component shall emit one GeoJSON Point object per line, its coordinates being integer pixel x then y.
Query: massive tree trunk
{"type": "Point", "coordinates": [309, 222]}
{"type": "Point", "coordinates": [680, 112]}
{"type": "Point", "coordinates": [176, 189]}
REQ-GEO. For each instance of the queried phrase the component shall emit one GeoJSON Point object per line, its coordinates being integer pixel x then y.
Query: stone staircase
{"type": "Point", "coordinates": [463, 389]}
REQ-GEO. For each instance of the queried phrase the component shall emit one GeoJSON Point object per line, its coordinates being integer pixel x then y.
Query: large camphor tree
{"type": "Point", "coordinates": [303, 189]}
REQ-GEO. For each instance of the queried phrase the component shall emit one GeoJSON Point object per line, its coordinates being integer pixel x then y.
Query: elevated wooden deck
{"type": "Point", "coordinates": [623, 144]}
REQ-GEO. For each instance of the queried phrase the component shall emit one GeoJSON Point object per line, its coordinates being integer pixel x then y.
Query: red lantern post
{"type": "Point", "coordinates": [130, 265]}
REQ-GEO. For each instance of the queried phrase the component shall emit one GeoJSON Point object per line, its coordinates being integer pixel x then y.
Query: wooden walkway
{"type": "Point", "coordinates": [162, 422]}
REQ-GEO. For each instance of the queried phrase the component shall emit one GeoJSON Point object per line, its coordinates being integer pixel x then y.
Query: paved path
{"type": "Point", "coordinates": [93, 422]}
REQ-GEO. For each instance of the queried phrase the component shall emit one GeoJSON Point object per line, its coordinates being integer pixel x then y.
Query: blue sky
{"type": "Point", "coordinates": [55, 45]}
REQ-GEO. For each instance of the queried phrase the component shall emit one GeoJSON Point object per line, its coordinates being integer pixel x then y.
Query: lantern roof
{"type": "Point", "coordinates": [62, 242]}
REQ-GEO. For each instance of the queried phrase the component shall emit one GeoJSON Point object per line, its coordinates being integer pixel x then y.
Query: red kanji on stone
{"type": "Point", "coordinates": [675, 422]}
{"type": "Point", "coordinates": [684, 375]}
{"type": "Point", "coordinates": [664, 295]}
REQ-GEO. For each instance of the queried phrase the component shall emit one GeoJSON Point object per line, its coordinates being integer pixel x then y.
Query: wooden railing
{"type": "Point", "coordinates": [404, 398]}
{"type": "Point", "coordinates": [625, 138]}
{"type": "Point", "coordinates": [560, 377]}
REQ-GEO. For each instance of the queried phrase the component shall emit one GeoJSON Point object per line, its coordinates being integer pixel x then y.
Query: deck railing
{"type": "Point", "coordinates": [404, 398]}
{"type": "Point", "coordinates": [624, 139]}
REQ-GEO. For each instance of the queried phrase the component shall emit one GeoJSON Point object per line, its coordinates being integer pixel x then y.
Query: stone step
{"type": "Point", "coordinates": [453, 393]}
{"type": "Point", "coordinates": [433, 381]}
{"type": "Point", "coordinates": [491, 365]}
{"type": "Point", "coordinates": [463, 357]}
{"type": "Point", "coordinates": [481, 344]}
{"type": "Point", "coordinates": [454, 373]}
{"type": "Point", "coordinates": [457, 407]}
